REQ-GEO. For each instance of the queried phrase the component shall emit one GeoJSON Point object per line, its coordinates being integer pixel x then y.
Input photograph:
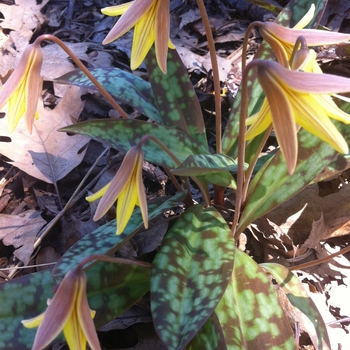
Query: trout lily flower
{"type": "Point", "coordinates": [282, 39]}
{"type": "Point", "coordinates": [298, 98]}
{"type": "Point", "coordinates": [22, 90]}
{"type": "Point", "coordinates": [68, 310]}
{"type": "Point", "coordinates": [126, 188]}
{"type": "Point", "coordinates": [151, 19]}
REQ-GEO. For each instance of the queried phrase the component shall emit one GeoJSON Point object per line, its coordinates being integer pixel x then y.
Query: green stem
{"type": "Point", "coordinates": [76, 60]}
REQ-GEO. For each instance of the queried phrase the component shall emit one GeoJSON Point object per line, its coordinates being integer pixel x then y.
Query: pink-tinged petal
{"type": "Point", "coordinates": [133, 14]}
{"type": "Point", "coordinates": [162, 25]}
{"type": "Point", "coordinates": [282, 117]}
{"type": "Point", "coordinates": [304, 82]}
{"type": "Point", "coordinates": [313, 37]}
{"type": "Point", "coordinates": [117, 184]}
{"type": "Point", "coordinates": [259, 122]}
{"type": "Point", "coordinates": [144, 37]}
{"type": "Point", "coordinates": [58, 312]}
{"type": "Point", "coordinates": [33, 89]}
{"type": "Point", "coordinates": [142, 202]}
{"type": "Point", "coordinates": [85, 315]}
{"type": "Point", "coordinates": [15, 108]}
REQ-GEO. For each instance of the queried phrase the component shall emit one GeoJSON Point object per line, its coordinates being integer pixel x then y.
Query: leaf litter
{"type": "Point", "coordinates": [307, 227]}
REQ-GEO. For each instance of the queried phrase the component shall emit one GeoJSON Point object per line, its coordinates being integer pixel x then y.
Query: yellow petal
{"type": "Point", "coordinates": [117, 10]}
{"type": "Point", "coordinates": [33, 322]}
{"type": "Point", "coordinates": [333, 111]}
{"type": "Point", "coordinates": [98, 194]}
{"type": "Point", "coordinates": [259, 122]}
{"type": "Point", "coordinates": [73, 333]}
{"type": "Point", "coordinates": [144, 37]}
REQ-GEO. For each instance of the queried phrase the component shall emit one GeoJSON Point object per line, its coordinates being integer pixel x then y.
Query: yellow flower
{"type": "Point", "coordinates": [22, 90]}
{"type": "Point", "coordinates": [68, 310]}
{"type": "Point", "coordinates": [126, 187]}
{"type": "Point", "coordinates": [298, 98]}
{"type": "Point", "coordinates": [282, 39]}
{"type": "Point", "coordinates": [151, 19]}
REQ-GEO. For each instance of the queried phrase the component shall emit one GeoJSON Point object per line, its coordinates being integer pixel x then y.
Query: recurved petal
{"type": "Point", "coordinates": [309, 83]}
{"type": "Point", "coordinates": [98, 194]}
{"type": "Point", "coordinates": [162, 33]}
{"type": "Point", "coordinates": [316, 121]}
{"type": "Point", "coordinates": [58, 312]}
{"type": "Point", "coordinates": [306, 18]}
{"type": "Point", "coordinates": [132, 15]}
{"type": "Point", "coordinates": [144, 37]}
{"type": "Point", "coordinates": [282, 117]}
{"type": "Point", "coordinates": [117, 10]}
{"type": "Point", "coordinates": [116, 185]}
{"type": "Point", "coordinates": [33, 322]}
{"type": "Point", "coordinates": [333, 111]}
{"type": "Point", "coordinates": [313, 37]}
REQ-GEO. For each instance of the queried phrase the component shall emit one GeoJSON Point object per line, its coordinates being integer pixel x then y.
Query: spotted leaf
{"type": "Point", "coordinates": [123, 86]}
{"type": "Point", "coordinates": [190, 274]}
{"type": "Point", "coordinates": [249, 312]}
{"type": "Point", "coordinates": [122, 134]}
{"type": "Point", "coordinates": [175, 97]}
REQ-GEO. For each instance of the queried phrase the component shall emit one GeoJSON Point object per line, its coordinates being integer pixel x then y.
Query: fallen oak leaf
{"type": "Point", "coordinates": [47, 154]}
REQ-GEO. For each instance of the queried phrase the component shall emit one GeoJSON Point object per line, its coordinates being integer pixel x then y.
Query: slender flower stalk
{"type": "Point", "coordinates": [22, 90]}
{"type": "Point", "coordinates": [151, 19]}
{"type": "Point", "coordinates": [126, 188]}
{"type": "Point", "coordinates": [298, 98]}
{"type": "Point", "coordinates": [68, 311]}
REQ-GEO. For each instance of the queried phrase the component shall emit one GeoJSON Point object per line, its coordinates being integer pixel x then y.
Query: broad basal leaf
{"type": "Point", "coordinates": [272, 185]}
{"type": "Point", "coordinates": [47, 154]}
{"type": "Point", "coordinates": [105, 241]}
{"type": "Point", "coordinates": [123, 86]}
{"type": "Point", "coordinates": [249, 312]}
{"type": "Point", "coordinates": [300, 299]}
{"type": "Point", "coordinates": [122, 134]}
{"type": "Point", "coordinates": [190, 274]}
{"type": "Point", "coordinates": [175, 97]}
{"type": "Point", "coordinates": [111, 289]}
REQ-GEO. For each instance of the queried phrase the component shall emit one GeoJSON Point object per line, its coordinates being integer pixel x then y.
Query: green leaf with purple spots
{"type": "Point", "coordinates": [175, 97]}
{"type": "Point", "coordinates": [189, 274]}
{"type": "Point", "coordinates": [104, 239]}
{"type": "Point", "coordinates": [123, 86]}
{"type": "Point", "coordinates": [272, 185]}
{"type": "Point", "coordinates": [122, 134]}
{"type": "Point", "coordinates": [299, 298]}
{"type": "Point", "coordinates": [111, 290]}
{"type": "Point", "coordinates": [249, 312]}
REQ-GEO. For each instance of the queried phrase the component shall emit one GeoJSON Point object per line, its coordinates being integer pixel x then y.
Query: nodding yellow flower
{"type": "Point", "coordinates": [282, 39]}
{"type": "Point", "coordinates": [151, 19]}
{"type": "Point", "coordinates": [126, 188]}
{"type": "Point", "coordinates": [22, 90]}
{"type": "Point", "coordinates": [298, 98]}
{"type": "Point", "coordinates": [68, 311]}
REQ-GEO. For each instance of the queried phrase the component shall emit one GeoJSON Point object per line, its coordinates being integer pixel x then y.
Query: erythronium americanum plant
{"type": "Point", "coordinates": [204, 291]}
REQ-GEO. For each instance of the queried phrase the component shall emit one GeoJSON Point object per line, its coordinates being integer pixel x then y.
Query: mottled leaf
{"type": "Point", "coordinates": [105, 241]}
{"type": "Point", "coordinates": [111, 288]}
{"type": "Point", "coordinates": [249, 312]}
{"type": "Point", "coordinates": [300, 299]}
{"type": "Point", "coordinates": [175, 97]}
{"type": "Point", "coordinates": [209, 337]}
{"type": "Point", "coordinates": [190, 274]}
{"type": "Point", "coordinates": [122, 134]}
{"type": "Point", "coordinates": [123, 86]}
{"type": "Point", "coordinates": [272, 185]}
